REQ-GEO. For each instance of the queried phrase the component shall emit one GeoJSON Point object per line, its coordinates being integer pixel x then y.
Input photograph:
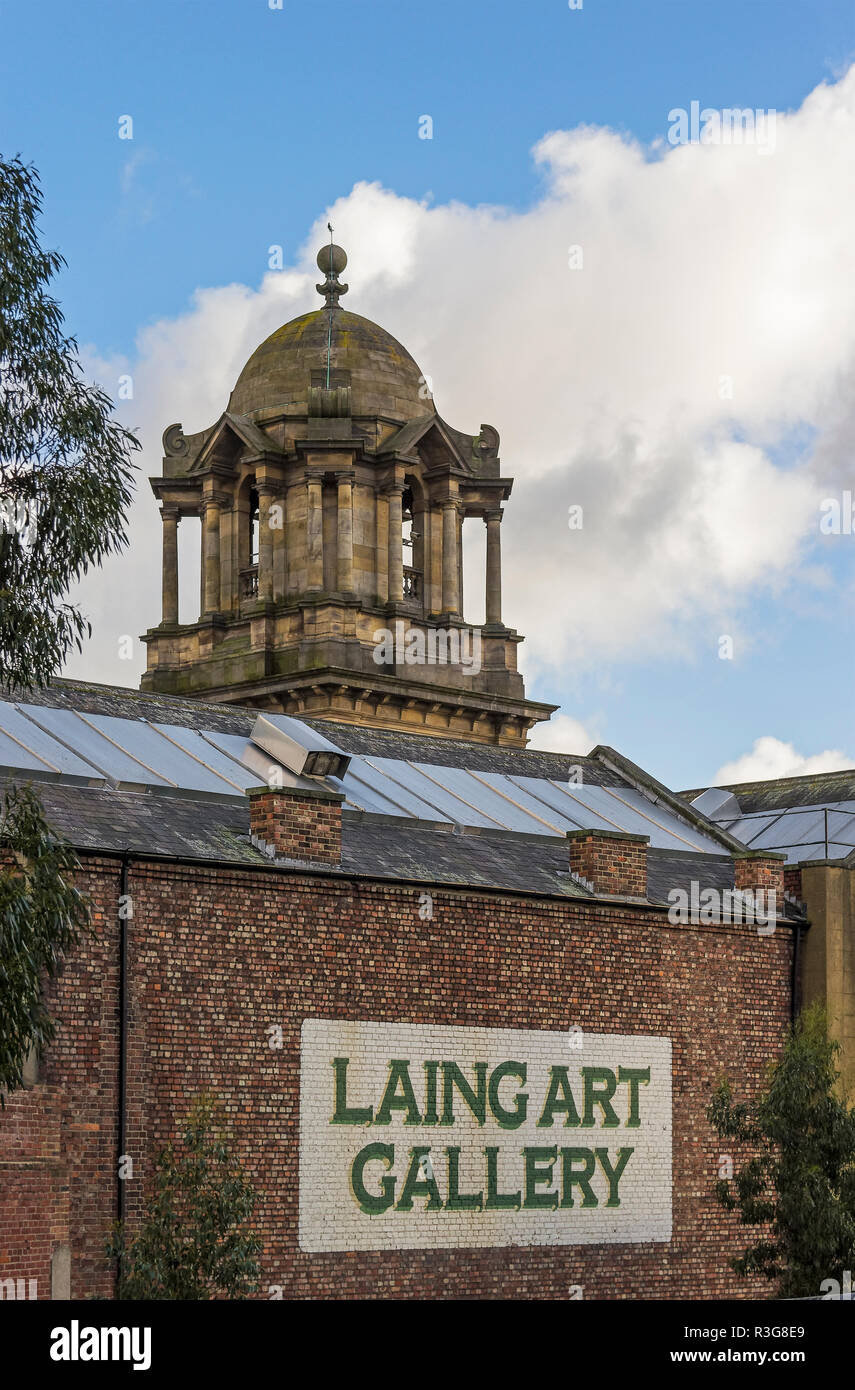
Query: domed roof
{"type": "Point", "coordinates": [384, 379]}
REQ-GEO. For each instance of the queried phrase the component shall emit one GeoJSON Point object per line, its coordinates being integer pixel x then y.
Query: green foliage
{"type": "Point", "coordinates": [42, 914]}
{"type": "Point", "coordinates": [65, 470]}
{"type": "Point", "coordinates": [799, 1185]}
{"type": "Point", "coordinates": [193, 1241]}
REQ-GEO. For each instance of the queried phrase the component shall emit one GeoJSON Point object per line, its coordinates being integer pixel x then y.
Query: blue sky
{"type": "Point", "coordinates": [249, 122]}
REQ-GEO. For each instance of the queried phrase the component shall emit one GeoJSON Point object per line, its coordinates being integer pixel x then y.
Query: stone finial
{"type": "Point", "coordinates": [332, 261]}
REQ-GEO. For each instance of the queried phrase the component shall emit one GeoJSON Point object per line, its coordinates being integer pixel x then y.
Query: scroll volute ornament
{"type": "Point", "coordinates": [174, 443]}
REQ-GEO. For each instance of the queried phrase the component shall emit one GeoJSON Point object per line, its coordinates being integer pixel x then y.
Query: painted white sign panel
{"type": "Point", "coordinates": [414, 1136]}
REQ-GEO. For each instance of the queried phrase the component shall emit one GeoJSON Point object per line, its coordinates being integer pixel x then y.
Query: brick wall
{"type": "Point", "coordinates": [34, 1190]}
{"type": "Point", "coordinates": [218, 956]}
{"type": "Point", "coordinates": [758, 870]}
{"type": "Point", "coordinates": [293, 823]}
{"type": "Point", "coordinates": [610, 861]}
{"type": "Point", "coordinates": [69, 1121]}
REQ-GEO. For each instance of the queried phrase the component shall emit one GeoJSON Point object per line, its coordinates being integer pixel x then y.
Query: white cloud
{"type": "Point", "coordinates": [700, 262]}
{"type": "Point", "coordinates": [562, 734]}
{"type": "Point", "coordinates": [771, 757]}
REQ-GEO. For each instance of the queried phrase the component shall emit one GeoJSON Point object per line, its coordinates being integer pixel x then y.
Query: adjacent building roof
{"type": "Point", "coordinates": [810, 817]}
{"type": "Point", "coordinates": [124, 770]}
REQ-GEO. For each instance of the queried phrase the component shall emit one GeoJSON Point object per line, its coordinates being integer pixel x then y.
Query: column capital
{"type": "Point", "coordinates": [345, 475]}
{"type": "Point", "coordinates": [390, 489]}
{"type": "Point", "coordinates": [221, 500]}
{"type": "Point", "coordinates": [493, 514]}
{"type": "Point", "coordinates": [169, 511]}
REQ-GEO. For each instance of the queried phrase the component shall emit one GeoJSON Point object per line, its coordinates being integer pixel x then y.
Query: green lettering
{"type": "Point", "coordinates": [430, 1115]}
{"type": "Point", "coordinates": [399, 1074]}
{"type": "Point", "coordinates": [571, 1177]}
{"type": "Point", "coordinates": [538, 1176]}
{"type": "Point", "coordinates": [496, 1200]}
{"type": "Point", "coordinates": [417, 1184]}
{"type": "Point", "coordinates": [613, 1175]}
{"type": "Point", "coordinates": [635, 1076]}
{"type": "Point", "coordinates": [342, 1115]}
{"type": "Point", "coordinates": [457, 1200]}
{"type": "Point", "coordinates": [559, 1098]}
{"type": "Point", "coordinates": [508, 1119]}
{"type": "Point", "coordinates": [593, 1076]}
{"type": "Point", "coordinates": [368, 1202]}
{"type": "Point", "coordinates": [476, 1100]}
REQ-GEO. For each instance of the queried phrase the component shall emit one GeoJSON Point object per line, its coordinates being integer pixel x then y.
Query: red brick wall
{"type": "Point", "coordinates": [793, 880]}
{"type": "Point", "coordinates": [613, 863]}
{"type": "Point", "coordinates": [759, 871]}
{"type": "Point", "coordinates": [217, 956]}
{"type": "Point", "coordinates": [297, 826]}
{"type": "Point", "coordinates": [33, 1188]}
{"type": "Point", "coordinates": [70, 1119]}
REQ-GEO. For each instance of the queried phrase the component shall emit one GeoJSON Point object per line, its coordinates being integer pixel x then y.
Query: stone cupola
{"type": "Point", "coordinates": [332, 497]}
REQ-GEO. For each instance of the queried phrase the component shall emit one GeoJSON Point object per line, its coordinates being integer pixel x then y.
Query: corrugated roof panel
{"type": "Point", "coordinates": [395, 800]}
{"type": "Point", "coordinates": [363, 795]}
{"type": "Point", "coordinates": [424, 781]}
{"type": "Point", "coordinates": [551, 822]}
{"type": "Point", "coordinates": [746, 827]}
{"type": "Point", "coordinates": [841, 827]}
{"type": "Point", "coordinates": [805, 827]}
{"type": "Point", "coordinates": [485, 799]}
{"type": "Point", "coordinates": [37, 750]}
{"type": "Point", "coordinates": [234, 776]}
{"type": "Point", "coordinates": [664, 822]}
{"type": "Point", "coordinates": [162, 756]}
{"type": "Point", "coordinates": [636, 821]}
{"type": "Point", "coordinates": [78, 733]}
{"type": "Point", "coordinates": [575, 810]}
{"type": "Point", "coordinates": [18, 759]}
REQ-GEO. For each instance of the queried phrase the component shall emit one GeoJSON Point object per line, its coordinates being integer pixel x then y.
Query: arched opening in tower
{"type": "Point", "coordinates": [253, 527]}
{"type": "Point", "coordinates": [412, 540]}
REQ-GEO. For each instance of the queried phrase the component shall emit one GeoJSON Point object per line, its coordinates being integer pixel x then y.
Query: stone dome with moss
{"type": "Point", "coordinates": [384, 379]}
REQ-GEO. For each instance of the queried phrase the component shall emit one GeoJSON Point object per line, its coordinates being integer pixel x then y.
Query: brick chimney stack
{"type": "Point", "coordinates": [611, 862]}
{"type": "Point", "coordinates": [296, 823]}
{"type": "Point", "coordinates": [759, 869]}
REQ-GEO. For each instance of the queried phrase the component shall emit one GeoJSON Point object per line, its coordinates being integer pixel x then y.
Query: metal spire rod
{"type": "Point", "coordinates": [329, 329]}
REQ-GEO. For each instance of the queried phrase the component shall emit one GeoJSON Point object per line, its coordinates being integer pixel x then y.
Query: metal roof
{"type": "Point", "coordinates": [800, 832]}
{"type": "Point", "coordinates": [135, 752]}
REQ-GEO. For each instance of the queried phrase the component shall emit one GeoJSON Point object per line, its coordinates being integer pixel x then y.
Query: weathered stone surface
{"type": "Point", "coordinates": [333, 499]}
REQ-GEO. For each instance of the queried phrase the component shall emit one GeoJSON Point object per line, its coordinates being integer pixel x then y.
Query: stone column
{"type": "Point", "coordinates": [294, 524]}
{"type": "Point", "coordinates": [494, 567]}
{"type": "Point", "coordinates": [202, 559]}
{"type": "Point", "coordinates": [382, 548]}
{"type": "Point", "coordinates": [265, 544]}
{"type": "Point", "coordinates": [435, 519]}
{"type": "Point", "coordinates": [314, 534]}
{"type": "Point", "coordinates": [212, 555]}
{"type": "Point", "coordinates": [450, 570]}
{"type": "Point", "coordinates": [344, 534]}
{"type": "Point", "coordinates": [278, 536]}
{"type": "Point", "coordinates": [169, 517]}
{"type": "Point", "coordinates": [396, 549]}
{"type": "Point", "coordinates": [228, 567]}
